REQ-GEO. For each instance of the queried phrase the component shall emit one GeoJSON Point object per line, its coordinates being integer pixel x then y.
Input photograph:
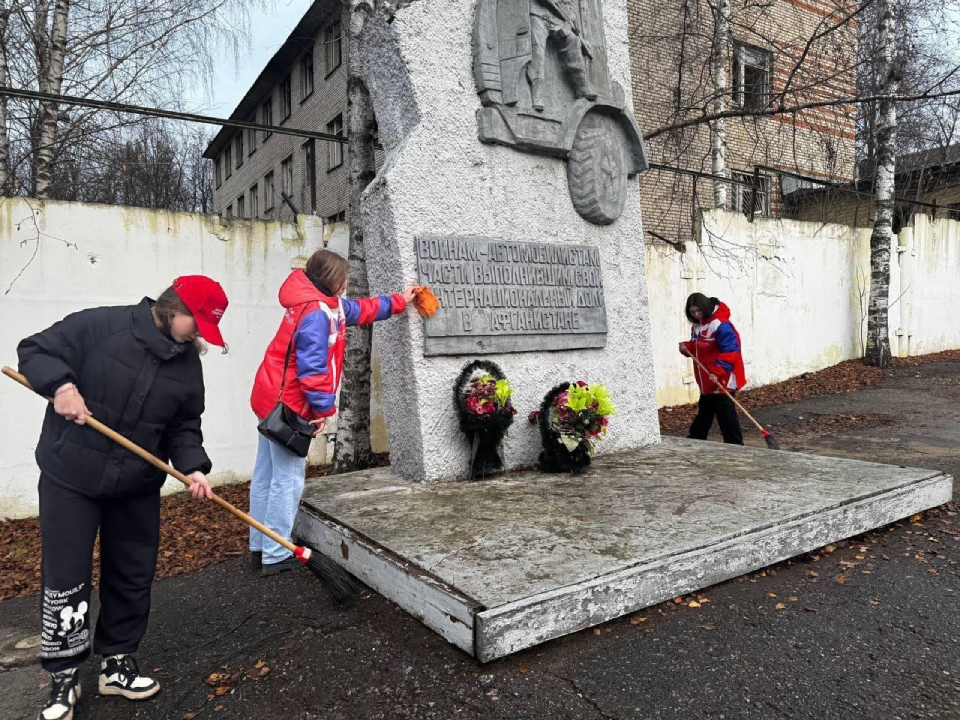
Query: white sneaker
{"type": "Point", "coordinates": [119, 675]}
{"type": "Point", "coordinates": [64, 695]}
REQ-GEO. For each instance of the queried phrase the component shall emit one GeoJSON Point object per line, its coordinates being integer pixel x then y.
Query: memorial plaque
{"type": "Point", "coordinates": [498, 296]}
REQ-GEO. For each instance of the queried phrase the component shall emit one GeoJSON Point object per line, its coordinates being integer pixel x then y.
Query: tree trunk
{"type": "Point", "coordinates": [5, 189]}
{"type": "Point", "coordinates": [353, 448]}
{"type": "Point", "coordinates": [878, 335]}
{"type": "Point", "coordinates": [718, 136]}
{"type": "Point", "coordinates": [50, 81]}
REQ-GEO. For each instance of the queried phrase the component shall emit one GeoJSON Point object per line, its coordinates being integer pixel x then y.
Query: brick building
{"type": "Point", "coordinates": [770, 60]}
{"type": "Point", "coordinates": [770, 56]}
{"type": "Point", "coordinates": [267, 175]}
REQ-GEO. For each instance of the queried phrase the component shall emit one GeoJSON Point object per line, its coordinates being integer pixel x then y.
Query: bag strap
{"type": "Point", "coordinates": [286, 360]}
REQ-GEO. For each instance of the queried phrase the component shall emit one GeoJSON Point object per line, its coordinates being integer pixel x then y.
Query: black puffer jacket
{"type": "Point", "coordinates": [132, 378]}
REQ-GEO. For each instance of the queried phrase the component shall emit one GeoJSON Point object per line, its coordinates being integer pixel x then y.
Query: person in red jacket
{"type": "Point", "coordinates": [715, 342]}
{"type": "Point", "coordinates": [314, 330]}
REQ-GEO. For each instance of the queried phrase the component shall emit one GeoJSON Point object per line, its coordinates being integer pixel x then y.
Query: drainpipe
{"type": "Point", "coordinates": [905, 254]}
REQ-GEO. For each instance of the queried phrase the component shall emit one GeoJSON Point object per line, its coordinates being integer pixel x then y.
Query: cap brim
{"type": "Point", "coordinates": [209, 332]}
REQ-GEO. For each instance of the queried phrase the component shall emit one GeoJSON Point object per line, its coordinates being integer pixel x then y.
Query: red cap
{"type": "Point", "coordinates": [207, 301]}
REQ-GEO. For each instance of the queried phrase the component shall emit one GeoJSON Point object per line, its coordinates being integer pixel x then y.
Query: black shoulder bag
{"type": "Point", "coordinates": [283, 426]}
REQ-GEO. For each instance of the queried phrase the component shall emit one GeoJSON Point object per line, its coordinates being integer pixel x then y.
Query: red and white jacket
{"type": "Point", "coordinates": [318, 324]}
{"type": "Point", "coordinates": [716, 343]}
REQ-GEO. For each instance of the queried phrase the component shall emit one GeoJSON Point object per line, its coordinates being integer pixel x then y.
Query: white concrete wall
{"type": "Point", "coordinates": [794, 289]}
{"type": "Point", "coordinates": [115, 257]}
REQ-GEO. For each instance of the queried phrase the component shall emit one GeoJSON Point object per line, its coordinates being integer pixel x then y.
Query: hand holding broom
{"type": "Point", "coordinates": [335, 579]}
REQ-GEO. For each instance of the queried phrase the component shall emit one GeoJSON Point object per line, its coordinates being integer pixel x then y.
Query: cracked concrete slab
{"type": "Point", "coordinates": [538, 556]}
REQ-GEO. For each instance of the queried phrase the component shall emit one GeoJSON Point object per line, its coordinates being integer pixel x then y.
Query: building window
{"type": "Point", "coordinates": [751, 76]}
{"type": "Point", "coordinates": [286, 99]}
{"type": "Point", "coordinates": [286, 176]}
{"type": "Point", "coordinates": [266, 117]}
{"type": "Point", "coordinates": [306, 76]}
{"type": "Point", "coordinates": [228, 160]}
{"type": "Point", "coordinates": [238, 147]}
{"type": "Point", "coordinates": [217, 172]}
{"type": "Point", "coordinates": [333, 46]}
{"type": "Point", "coordinates": [254, 202]}
{"type": "Point", "coordinates": [310, 172]}
{"type": "Point", "coordinates": [338, 217]}
{"type": "Point", "coordinates": [269, 190]}
{"type": "Point", "coordinates": [742, 194]}
{"type": "Point", "coordinates": [228, 212]}
{"type": "Point", "coordinates": [251, 137]}
{"type": "Point", "coordinates": [953, 211]}
{"type": "Point", "coordinates": [241, 207]}
{"type": "Point", "coordinates": [335, 149]}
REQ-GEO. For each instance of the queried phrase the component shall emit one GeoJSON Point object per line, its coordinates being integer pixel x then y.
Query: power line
{"type": "Point", "coordinates": [328, 137]}
{"type": "Point", "coordinates": [168, 114]}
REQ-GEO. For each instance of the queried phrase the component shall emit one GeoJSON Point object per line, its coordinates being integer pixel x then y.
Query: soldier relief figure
{"type": "Point", "coordinates": [541, 72]}
{"type": "Point", "coordinates": [555, 19]}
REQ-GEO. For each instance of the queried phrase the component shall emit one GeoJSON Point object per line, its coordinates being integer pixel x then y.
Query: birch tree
{"type": "Point", "coordinates": [353, 450]}
{"type": "Point", "coordinates": [6, 9]}
{"type": "Point", "coordinates": [878, 338]}
{"type": "Point", "coordinates": [720, 63]}
{"type": "Point", "coordinates": [146, 52]}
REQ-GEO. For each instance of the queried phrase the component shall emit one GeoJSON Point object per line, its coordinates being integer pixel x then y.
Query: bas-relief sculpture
{"type": "Point", "coordinates": [541, 72]}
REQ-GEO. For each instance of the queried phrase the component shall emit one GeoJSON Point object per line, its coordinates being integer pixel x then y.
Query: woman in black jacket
{"type": "Point", "coordinates": [136, 369]}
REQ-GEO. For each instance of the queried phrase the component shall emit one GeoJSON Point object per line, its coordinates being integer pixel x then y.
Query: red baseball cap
{"type": "Point", "coordinates": [207, 301]}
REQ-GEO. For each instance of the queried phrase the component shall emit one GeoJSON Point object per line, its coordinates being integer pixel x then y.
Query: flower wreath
{"type": "Point", "coordinates": [485, 412]}
{"type": "Point", "coordinates": [572, 418]}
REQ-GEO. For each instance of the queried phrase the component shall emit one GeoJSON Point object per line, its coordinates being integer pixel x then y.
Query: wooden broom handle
{"type": "Point", "coordinates": [737, 402]}
{"type": "Point", "coordinates": [158, 463]}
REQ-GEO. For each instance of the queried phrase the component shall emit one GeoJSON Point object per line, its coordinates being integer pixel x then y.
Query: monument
{"type": "Point", "coordinates": [510, 148]}
{"type": "Point", "coordinates": [509, 187]}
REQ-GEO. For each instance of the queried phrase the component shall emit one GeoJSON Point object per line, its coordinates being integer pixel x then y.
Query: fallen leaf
{"type": "Point", "coordinates": [781, 606]}
{"type": "Point", "coordinates": [932, 571]}
{"type": "Point", "coordinates": [874, 602]}
{"type": "Point", "coordinates": [596, 632]}
{"type": "Point", "coordinates": [733, 607]}
{"type": "Point", "coordinates": [693, 604]}
{"type": "Point", "coordinates": [223, 690]}
{"type": "Point", "coordinates": [522, 669]}
{"type": "Point", "coordinates": [637, 620]}
{"type": "Point", "coordinates": [813, 574]}
{"type": "Point", "coordinates": [678, 600]}
{"type": "Point", "coordinates": [773, 595]}
{"type": "Point", "coordinates": [810, 609]}
{"type": "Point", "coordinates": [264, 671]}
{"type": "Point", "coordinates": [218, 708]}
{"type": "Point", "coordinates": [189, 716]}
{"type": "Point", "coordinates": [916, 517]}
{"type": "Point", "coordinates": [708, 627]}
{"type": "Point", "coordinates": [830, 548]}
{"type": "Point", "coordinates": [491, 692]}
{"type": "Point", "coordinates": [794, 598]}
{"type": "Point", "coordinates": [841, 579]}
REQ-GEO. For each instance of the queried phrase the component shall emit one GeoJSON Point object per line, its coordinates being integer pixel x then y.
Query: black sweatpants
{"type": "Point", "coordinates": [129, 537]}
{"type": "Point", "coordinates": [719, 406]}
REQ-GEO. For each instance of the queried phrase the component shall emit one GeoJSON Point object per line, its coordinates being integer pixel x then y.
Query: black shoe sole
{"type": "Point", "coordinates": [280, 567]}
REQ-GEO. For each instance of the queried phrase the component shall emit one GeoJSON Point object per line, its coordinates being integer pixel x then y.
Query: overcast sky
{"type": "Point", "coordinates": [231, 78]}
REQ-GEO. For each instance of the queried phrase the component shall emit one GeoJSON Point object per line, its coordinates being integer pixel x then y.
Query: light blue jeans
{"type": "Point", "coordinates": [275, 491]}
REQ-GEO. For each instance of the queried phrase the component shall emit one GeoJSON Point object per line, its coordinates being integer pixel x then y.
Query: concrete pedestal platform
{"type": "Point", "coordinates": [500, 565]}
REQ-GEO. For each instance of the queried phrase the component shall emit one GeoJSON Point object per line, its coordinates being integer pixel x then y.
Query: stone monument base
{"type": "Point", "coordinates": [500, 565]}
